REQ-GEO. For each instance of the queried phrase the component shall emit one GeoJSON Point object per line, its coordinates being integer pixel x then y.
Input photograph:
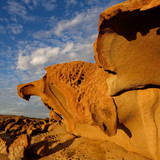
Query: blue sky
{"type": "Point", "coordinates": [38, 33]}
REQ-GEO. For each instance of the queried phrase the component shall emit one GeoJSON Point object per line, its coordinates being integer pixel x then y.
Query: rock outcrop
{"type": "Point", "coordinates": [117, 98]}
{"type": "Point", "coordinates": [128, 49]}
{"type": "Point", "coordinates": [78, 92]}
{"type": "Point", "coordinates": [128, 45]}
{"type": "Point", "coordinates": [58, 144]}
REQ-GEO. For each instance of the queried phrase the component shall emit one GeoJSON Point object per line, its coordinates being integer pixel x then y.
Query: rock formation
{"type": "Point", "coordinates": [117, 98]}
{"type": "Point", "coordinates": [58, 144]}
{"type": "Point", "coordinates": [128, 49]}
{"type": "Point", "coordinates": [128, 45]}
{"type": "Point", "coordinates": [78, 92]}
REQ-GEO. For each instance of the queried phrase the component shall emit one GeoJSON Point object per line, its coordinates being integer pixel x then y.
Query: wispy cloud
{"type": "Point", "coordinates": [71, 2]}
{"type": "Point", "coordinates": [2, 29]}
{"type": "Point", "coordinates": [16, 9]}
{"type": "Point", "coordinates": [82, 24]}
{"type": "Point", "coordinates": [67, 24]}
{"type": "Point", "coordinates": [15, 28]}
{"type": "Point", "coordinates": [49, 5]}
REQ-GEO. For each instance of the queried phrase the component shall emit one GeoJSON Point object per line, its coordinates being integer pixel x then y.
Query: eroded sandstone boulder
{"type": "Point", "coordinates": [78, 92]}
{"type": "Point", "coordinates": [128, 45]}
{"type": "Point", "coordinates": [128, 49]}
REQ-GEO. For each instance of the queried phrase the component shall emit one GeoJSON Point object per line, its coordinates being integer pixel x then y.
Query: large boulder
{"type": "Point", "coordinates": [78, 92]}
{"type": "Point", "coordinates": [128, 45]}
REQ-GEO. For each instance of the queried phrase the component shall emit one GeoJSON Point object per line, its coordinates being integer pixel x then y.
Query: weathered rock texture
{"type": "Point", "coordinates": [77, 91]}
{"type": "Point", "coordinates": [3, 146]}
{"type": "Point", "coordinates": [58, 144]}
{"type": "Point", "coordinates": [128, 45]}
{"type": "Point", "coordinates": [18, 147]}
{"type": "Point", "coordinates": [116, 99]}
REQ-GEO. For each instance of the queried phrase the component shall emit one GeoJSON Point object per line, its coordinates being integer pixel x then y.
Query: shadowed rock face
{"type": "Point", "coordinates": [78, 92]}
{"type": "Point", "coordinates": [128, 45]}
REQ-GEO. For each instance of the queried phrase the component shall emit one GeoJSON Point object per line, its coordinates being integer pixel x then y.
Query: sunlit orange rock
{"type": "Point", "coordinates": [18, 147]}
{"type": "Point", "coordinates": [116, 99]}
{"type": "Point", "coordinates": [128, 47]}
{"type": "Point", "coordinates": [78, 92]}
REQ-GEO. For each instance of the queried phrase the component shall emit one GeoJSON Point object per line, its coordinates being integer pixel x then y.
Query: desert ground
{"type": "Point", "coordinates": [53, 142]}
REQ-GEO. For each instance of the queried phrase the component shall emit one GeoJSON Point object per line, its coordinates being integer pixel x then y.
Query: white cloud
{"type": "Point", "coordinates": [23, 62]}
{"type": "Point", "coordinates": [13, 104]}
{"type": "Point", "coordinates": [83, 24]}
{"type": "Point", "coordinates": [68, 48]}
{"type": "Point", "coordinates": [37, 58]}
{"type": "Point", "coordinates": [50, 55]}
{"type": "Point", "coordinates": [44, 55]}
{"type": "Point", "coordinates": [26, 1]}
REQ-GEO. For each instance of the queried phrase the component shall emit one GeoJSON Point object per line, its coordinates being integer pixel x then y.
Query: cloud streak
{"type": "Point", "coordinates": [67, 24]}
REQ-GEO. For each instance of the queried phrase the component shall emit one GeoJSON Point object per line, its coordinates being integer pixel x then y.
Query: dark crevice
{"type": "Point", "coordinates": [158, 31]}
{"type": "Point", "coordinates": [104, 127]}
{"type": "Point", "coordinates": [137, 88]}
{"type": "Point", "coordinates": [120, 125]}
{"type": "Point", "coordinates": [111, 72]}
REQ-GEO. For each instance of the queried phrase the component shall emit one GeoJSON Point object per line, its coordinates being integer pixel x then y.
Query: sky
{"type": "Point", "coordinates": [37, 33]}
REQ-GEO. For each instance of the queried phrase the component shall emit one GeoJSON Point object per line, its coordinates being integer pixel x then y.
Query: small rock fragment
{"type": "Point", "coordinates": [3, 146]}
{"type": "Point", "coordinates": [44, 127]}
{"type": "Point", "coordinates": [9, 126]}
{"type": "Point", "coordinates": [33, 131]}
